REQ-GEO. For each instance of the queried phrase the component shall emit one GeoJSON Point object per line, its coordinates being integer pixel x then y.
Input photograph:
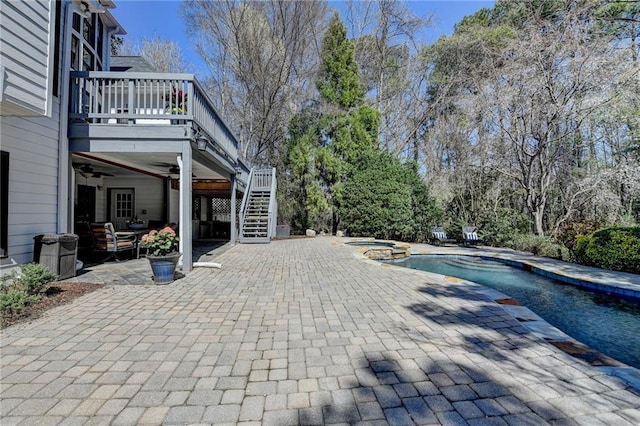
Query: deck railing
{"type": "Point", "coordinates": [123, 98]}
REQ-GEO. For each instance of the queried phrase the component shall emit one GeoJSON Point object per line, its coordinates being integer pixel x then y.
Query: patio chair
{"type": "Point", "coordinates": [470, 235]}
{"type": "Point", "coordinates": [439, 236]}
{"type": "Point", "coordinates": [107, 240]}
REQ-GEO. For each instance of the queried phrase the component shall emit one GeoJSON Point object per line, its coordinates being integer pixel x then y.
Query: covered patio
{"type": "Point", "coordinates": [151, 148]}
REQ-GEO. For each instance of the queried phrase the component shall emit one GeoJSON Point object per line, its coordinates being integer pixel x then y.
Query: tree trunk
{"type": "Point", "coordinates": [538, 215]}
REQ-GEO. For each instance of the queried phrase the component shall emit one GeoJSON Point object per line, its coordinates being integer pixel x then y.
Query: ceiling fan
{"type": "Point", "coordinates": [87, 171]}
{"type": "Point", "coordinates": [172, 169]}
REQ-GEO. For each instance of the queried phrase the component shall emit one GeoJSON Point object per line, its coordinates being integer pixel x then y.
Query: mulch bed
{"type": "Point", "coordinates": [58, 293]}
{"type": "Point", "coordinates": [585, 353]}
{"type": "Point", "coordinates": [508, 301]}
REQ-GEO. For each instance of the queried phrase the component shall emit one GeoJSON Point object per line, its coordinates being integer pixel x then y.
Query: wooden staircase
{"type": "Point", "coordinates": [259, 210]}
{"type": "Point", "coordinates": [256, 219]}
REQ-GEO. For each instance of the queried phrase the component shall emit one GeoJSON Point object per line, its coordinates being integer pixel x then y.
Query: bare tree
{"type": "Point", "coordinates": [385, 38]}
{"type": "Point", "coordinates": [164, 55]}
{"type": "Point", "coordinates": [557, 81]}
{"type": "Point", "coordinates": [535, 92]}
{"type": "Point", "coordinates": [262, 57]}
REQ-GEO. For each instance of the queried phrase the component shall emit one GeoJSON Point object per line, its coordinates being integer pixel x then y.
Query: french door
{"type": "Point", "coordinates": [122, 201]}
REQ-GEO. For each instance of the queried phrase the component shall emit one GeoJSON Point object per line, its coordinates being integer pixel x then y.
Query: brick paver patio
{"type": "Point", "coordinates": [296, 332]}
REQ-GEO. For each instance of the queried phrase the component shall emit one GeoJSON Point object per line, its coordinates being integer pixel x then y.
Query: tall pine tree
{"type": "Point", "coordinates": [339, 79]}
{"type": "Point", "coordinates": [339, 173]}
{"type": "Point", "coordinates": [325, 140]}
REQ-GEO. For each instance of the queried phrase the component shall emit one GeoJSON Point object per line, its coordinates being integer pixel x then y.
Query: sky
{"type": "Point", "coordinates": [162, 18]}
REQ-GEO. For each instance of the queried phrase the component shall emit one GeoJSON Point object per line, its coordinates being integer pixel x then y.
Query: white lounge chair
{"type": "Point", "coordinates": [439, 236]}
{"type": "Point", "coordinates": [470, 235]}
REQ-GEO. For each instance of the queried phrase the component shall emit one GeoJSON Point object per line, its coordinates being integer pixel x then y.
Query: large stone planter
{"type": "Point", "coordinates": [283, 231]}
{"type": "Point", "coordinates": [164, 267]}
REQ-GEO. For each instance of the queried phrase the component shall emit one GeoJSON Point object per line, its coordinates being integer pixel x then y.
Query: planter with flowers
{"type": "Point", "coordinates": [176, 103]}
{"type": "Point", "coordinates": [162, 252]}
{"type": "Point", "coordinates": [135, 223]}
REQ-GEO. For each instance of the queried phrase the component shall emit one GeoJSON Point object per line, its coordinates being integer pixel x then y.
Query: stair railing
{"type": "Point", "coordinates": [261, 180]}
{"type": "Point", "coordinates": [245, 201]}
{"type": "Point", "coordinates": [273, 206]}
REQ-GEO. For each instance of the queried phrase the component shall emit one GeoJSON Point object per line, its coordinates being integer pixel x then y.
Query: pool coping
{"type": "Point", "coordinates": [526, 317]}
{"type": "Point", "coordinates": [623, 284]}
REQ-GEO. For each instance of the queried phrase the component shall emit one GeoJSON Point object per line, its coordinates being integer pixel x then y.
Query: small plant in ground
{"type": "Point", "coordinates": [22, 288]}
{"type": "Point", "coordinates": [33, 278]}
{"type": "Point", "coordinates": [13, 301]}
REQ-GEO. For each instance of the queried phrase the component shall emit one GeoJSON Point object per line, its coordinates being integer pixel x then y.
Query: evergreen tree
{"type": "Point", "coordinates": [326, 138]}
{"type": "Point", "coordinates": [339, 80]}
{"type": "Point", "coordinates": [338, 172]}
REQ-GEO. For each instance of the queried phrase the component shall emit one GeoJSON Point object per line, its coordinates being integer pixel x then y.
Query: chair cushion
{"type": "Point", "coordinates": [123, 244]}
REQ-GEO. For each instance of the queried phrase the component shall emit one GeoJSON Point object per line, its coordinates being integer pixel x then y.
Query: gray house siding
{"type": "Point", "coordinates": [33, 181]}
{"type": "Point", "coordinates": [26, 55]}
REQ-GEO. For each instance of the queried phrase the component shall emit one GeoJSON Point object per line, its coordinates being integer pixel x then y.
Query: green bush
{"type": "Point", "coordinates": [33, 278]}
{"type": "Point", "coordinates": [13, 301]}
{"type": "Point", "coordinates": [384, 198]}
{"type": "Point", "coordinates": [22, 288]}
{"type": "Point", "coordinates": [541, 246]}
{"type": "Point", "coordinates": [569, 231]}
{"type": "Point", "coordinates": [499, 226]}
{"type": "Point", "coordinates": [614, 248]}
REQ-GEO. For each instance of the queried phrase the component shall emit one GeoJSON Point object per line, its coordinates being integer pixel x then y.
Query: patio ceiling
{"type": "Point", "coordinates": [133, 164]}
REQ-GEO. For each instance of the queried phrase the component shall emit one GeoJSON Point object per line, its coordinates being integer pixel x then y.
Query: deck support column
{"type": "Point", "coordinates": [234, 211]}
{"type": "Point", "coordinates": [186, 205]}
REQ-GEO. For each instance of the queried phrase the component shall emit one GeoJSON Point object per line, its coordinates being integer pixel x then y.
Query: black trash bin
{"type": "Point", "coordinates": [58, 252]}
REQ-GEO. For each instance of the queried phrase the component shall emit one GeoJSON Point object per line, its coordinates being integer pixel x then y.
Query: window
{"type": "Point", "coordinates": [99, 41]}
{"type": "Point", "coordinates": [124, 205]}
{"type": "Point", "coordinates": [4, 202]}
{"type": "Point", "coordinates": [87, 60]}
{"type": "Point", "coordinates": [88, 29]}
{"type": "Point", "coordinates": [74, 52]}
{"type": "Point", "coordinates": [87, 45]}
{"type": "Point", "coordinates": [76, 22]}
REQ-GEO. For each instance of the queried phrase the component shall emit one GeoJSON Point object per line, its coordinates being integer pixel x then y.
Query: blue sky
{"type": "Point", "coordinates": [147, 18]}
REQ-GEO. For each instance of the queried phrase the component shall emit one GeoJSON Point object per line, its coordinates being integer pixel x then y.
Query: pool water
{"type": "Point", "coordinates": [606, 323]}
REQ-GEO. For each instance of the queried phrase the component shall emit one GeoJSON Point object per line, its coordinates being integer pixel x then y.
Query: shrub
{"type": "Point", "coordinates": [33, 278]}
{"type": "Point", "coordinates": [425, 210]}
{"type": "Point", "coordinates": [500, 226]}
{"type": "Point", "coordinates": [384, 198]}
{"type": "Point", "coordinates": [375, 202]}
{"type": "Point", "coordinates": [13, 301]}
{"type": "Point", "coordinates": [570, 230]}
{"type": "Point", "coordinates": [22, 288]}
{"type": "Point", "coordinates": [541, 246]}
{"type": "Point", "coordinates": [611, 248]}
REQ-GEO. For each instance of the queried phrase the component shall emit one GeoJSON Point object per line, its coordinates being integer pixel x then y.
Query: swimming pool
{"type": "Point", "coordinates": [607, 324]}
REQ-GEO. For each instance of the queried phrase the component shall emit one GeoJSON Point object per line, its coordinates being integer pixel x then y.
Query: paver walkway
{"type": "Point", "coordinates": [296, 332]}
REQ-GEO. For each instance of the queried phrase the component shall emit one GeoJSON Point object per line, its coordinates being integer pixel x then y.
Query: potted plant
{"type": "Point", "coordinates": [162, 252]}
{"type": "Point", "coordinates": [135, 223]}
{"type": "Point", "coordinates": [176, 102]}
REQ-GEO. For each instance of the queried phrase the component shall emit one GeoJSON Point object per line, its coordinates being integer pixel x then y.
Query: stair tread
{"type": "Point", "coordinates": [255, 224]}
